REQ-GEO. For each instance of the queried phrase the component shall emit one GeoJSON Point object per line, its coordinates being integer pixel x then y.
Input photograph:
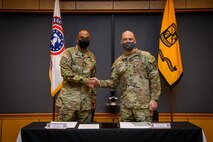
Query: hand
{"type": "Point", "coordinates": [97, 81]}
{"type": "Point", "coordinates": [93, 82]}
{"type": "Point", "coordinates": [153, 105]}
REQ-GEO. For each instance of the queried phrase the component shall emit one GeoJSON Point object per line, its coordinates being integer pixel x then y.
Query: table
{"type": "Point", "coordinates": [179, 132]}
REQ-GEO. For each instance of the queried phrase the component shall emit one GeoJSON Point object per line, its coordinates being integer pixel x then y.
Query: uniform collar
{"type": "Point", "coordinates": [128, 56]}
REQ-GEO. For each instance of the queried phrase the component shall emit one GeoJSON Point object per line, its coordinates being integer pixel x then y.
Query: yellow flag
{"type": "Point", "coordinates": [169, 57]}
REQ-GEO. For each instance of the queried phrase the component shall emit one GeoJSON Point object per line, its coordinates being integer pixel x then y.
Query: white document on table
{"type": "Point", "coordinates": [69, 124]}
{"type": "Point", "coordinates": [161, 125]}
{"type": "Point", "coordinates": [60, 125]}
{"type": "Point", "coordinates": [88, 126]}
{"type": "Point", "coordinates": [135, 125]}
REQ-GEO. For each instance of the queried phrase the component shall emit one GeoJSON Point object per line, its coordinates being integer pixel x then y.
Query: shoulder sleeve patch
{"type": "Point", "coordinates": [65, 55]}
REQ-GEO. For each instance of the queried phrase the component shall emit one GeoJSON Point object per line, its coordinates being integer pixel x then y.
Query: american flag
{"type": "Point", "coordinates": [56, 50]}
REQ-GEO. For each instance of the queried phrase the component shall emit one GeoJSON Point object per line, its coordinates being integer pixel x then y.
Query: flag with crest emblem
{"type": "Point", "coordinates": [56, 50]}
{"type": "Point", "coordinates": [169, 57]}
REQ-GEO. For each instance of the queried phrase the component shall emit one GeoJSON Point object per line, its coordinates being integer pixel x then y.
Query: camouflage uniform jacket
{"type": "Point", "coordinates": [76, 68]}
{"type": "Point", "coordinates": [139, 78]}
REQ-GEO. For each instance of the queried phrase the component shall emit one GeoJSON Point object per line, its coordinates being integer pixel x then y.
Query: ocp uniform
{"type": "Point", "coordinates": [75, 98]}
{"type": "Point", "coordinates": [134, 72]}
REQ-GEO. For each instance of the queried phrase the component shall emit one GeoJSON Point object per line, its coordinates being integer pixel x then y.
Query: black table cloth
{"type": "Point", "coordinates": [179, 132]}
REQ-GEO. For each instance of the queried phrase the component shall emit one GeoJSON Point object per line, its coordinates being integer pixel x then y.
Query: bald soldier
{"type": "Point", "coordinates": [137, 73]}
{"type": "Point", "coordinates": [77, 64]}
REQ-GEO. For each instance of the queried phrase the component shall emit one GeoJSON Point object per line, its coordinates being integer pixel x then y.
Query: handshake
{"type": "Point", "coordinates": [93, 82]}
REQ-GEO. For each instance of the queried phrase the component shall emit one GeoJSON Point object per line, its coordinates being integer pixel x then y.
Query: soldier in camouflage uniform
{"type": "Point", "coordinates": [137, 73]}
{"type": "Point", "coordinates": [77, 64]}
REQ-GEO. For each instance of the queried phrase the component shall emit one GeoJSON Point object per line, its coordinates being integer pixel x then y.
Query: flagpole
{"type": "Point", "coordinates": [171, 103]}
{"type": "Point", "coordinates": [169, 58]}
{"type": "Point", "coordinates": [57, 47]}
{"type": "Point", "coordinates": [53, 115]}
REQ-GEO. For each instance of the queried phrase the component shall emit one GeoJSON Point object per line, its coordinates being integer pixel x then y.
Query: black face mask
{"type": "Point", "coordinates": [129, 46]}
{"type": "Point", "coordinates": [83, 43]}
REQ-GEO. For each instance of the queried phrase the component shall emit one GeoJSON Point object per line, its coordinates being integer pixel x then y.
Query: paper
{"type": "Point", "coordinates": [69, 124]}
{"type": "Point", "coordinates": [88, 126]}
{"type": "Point", "coordinates": [161, 125]}
{"type": "Point", "coordinates": [56, 126]}
{"type": "Point", "coordinates": [135, 125]}
{"type": "Point", "coordinates": [60, 125]}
